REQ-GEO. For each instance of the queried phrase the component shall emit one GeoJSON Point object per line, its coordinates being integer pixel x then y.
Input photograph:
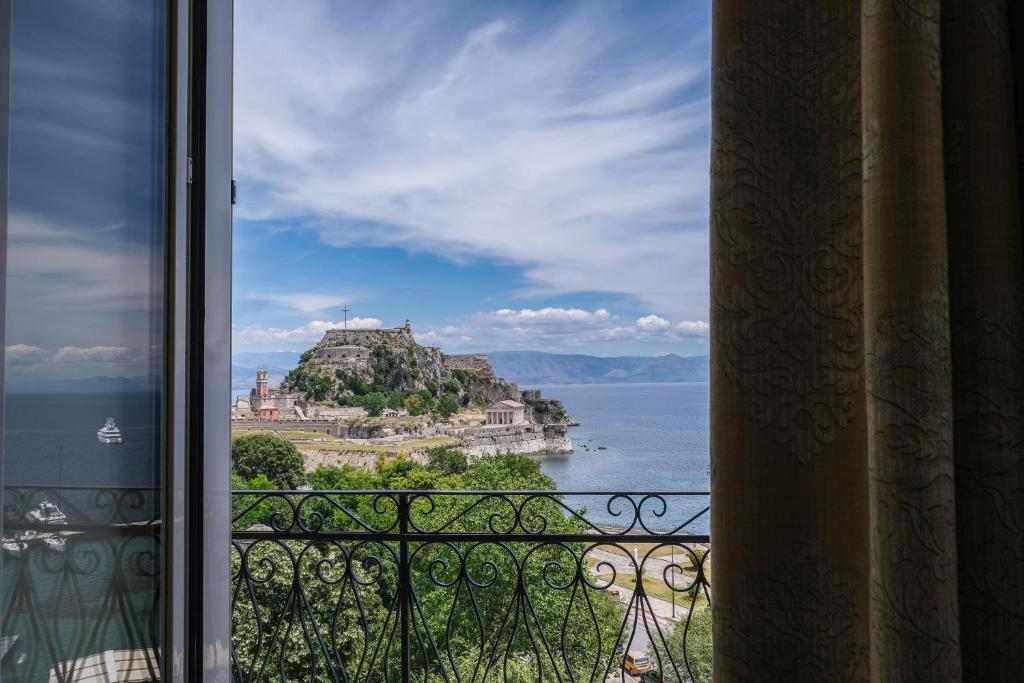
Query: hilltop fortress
{"type": "Point", "coordinates": [327, 388]}
{"type": "Point", "coordinates": [351, 349]}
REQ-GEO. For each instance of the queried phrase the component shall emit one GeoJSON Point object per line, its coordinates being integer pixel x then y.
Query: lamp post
{"type": "Point", "coordinates": [672, 588]}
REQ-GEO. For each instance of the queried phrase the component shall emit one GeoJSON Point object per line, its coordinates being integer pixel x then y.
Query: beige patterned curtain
{"type": "Point", "coordinates": [868, 340]}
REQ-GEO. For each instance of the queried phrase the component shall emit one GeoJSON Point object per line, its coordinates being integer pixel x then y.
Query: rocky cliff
{"type": "Point", "coordinates": [356, 362]}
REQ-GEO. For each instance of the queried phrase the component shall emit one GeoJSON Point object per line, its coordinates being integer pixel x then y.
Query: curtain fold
{"type": "Point", "coordinates": [868, 341]}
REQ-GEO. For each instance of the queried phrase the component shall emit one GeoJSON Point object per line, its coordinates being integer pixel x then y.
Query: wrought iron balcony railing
{"type": "Point", "coordinates": [470, 586]}
{"type": "Point", "coordinates": [79, 582]}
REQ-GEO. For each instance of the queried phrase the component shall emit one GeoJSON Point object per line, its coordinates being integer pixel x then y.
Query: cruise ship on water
{"type": "Point", "coordinates": [109, 433]}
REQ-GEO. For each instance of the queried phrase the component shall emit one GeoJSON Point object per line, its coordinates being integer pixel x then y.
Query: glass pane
{"type": "Point", "coordinates": [84, 326]}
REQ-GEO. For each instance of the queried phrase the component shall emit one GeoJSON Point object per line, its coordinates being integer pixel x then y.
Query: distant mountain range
{"type": "Point", "coordinates": [535, 367]}
{"type": "Point", "coordinates": [522, 367]}
{"type": "Point", "coordinates": [86, 385]}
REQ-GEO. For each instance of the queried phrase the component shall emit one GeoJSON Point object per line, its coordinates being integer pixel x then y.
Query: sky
{"type": "Point", "coordinates": [505, 175]}
{"type": "Point", "coordinates": [86, 191]}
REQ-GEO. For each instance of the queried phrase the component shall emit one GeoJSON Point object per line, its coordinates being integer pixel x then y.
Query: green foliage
{"type": "Point", "coordinates": [375, 403]}
{"type": "Point", "coordinates": [448, 405]}
{"type": "Point", "coordinates": [415, 404]}
{"type": "Point", "coordinates": [507, 472]}
{"type": "Point", "coordinates": [697, 646]}
{"type": "Point", "coordinates": [447, 459]}
{"type": "Point", "coordinates": [451, 386]}
{"type": "Point", "coordinates": [317, 386]}
{"type": "Point", "coordinates": [463, 376]}
{"type": "Point", "coordinates": [306, 355]}
{"type": "Point", "coordinates": [258, 454]}
{"type": "Point", "coordinates": [330, 599]}
{"type": "Point", "coordinates": [444, 597]}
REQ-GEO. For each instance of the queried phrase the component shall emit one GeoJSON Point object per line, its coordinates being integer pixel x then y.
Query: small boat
{"type": "Point", "coordinates": [55, 542]}
{"type": "Point", "coordinates": [46, 513]}
{"type": "Point", "coordinates": [14, 546]}
{"type": "Point", "coordinates": [109, 433]}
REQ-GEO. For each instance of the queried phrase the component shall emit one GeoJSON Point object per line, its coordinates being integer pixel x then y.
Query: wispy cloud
{"type": "Point", "coordinates": [25, 354]}
{"type": "Point", "coordinates": [571, 145]}
{"type": "Point", "coordinates": [304, 302]}
{"type": "Point", "coordinates": [560, 329]}
{"type": "Point", "coordinates": [264, 338]}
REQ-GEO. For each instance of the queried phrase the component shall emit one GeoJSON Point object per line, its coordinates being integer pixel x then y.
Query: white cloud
{"type": "Point", "coordinates": [569, 147]}
{"type": "Point", "coordinates": [652, 323]}
{"type": "Point", "coordinates": [559, 329]}
{"type": "Point", "coordinates": [445, 336]}
{"type": "Point", "coordinates": [91, 354]}
{"type": "Point", "coordinates": [263, 338]}
{"type": "Point", "coordinates": [694, 328]}
{"type": "Point", "coordinates": [547, 315]}
{"type": "Point", "coordinates": [24, 354]}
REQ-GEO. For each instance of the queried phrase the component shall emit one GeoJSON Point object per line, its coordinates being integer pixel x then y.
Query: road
{"type": "Point", "coordinates": [655, 616]}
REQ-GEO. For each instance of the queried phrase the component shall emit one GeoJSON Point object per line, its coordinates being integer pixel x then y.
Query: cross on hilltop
{"type": "Point", "coordinates": [345, 309]}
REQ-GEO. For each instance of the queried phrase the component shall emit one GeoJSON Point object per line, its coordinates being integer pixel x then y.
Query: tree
{"type": "Point", "coordinates": [270, 455]}
{"type": "Point", "coordinates": [318, 385]}
{"type": "Point", "coordinates": [332, 575]}
{"type": "Point", "coordinates": [415, 404]}
{"type": "Point", "coordinates": [447, 460]}
{"type": "Point", "coordinates": [375, 403]}
{"type": "Point", "coordinates": [697, 647]}
{"type": "Point", "coordinates": [448, 405]}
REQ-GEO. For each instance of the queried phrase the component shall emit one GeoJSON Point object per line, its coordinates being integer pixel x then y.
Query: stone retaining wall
{"type": "Point", "coordinates": [522, 439]}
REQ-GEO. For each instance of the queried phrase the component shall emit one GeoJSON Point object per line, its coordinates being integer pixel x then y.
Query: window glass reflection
{"type": "Point", "coordinates": [80, 574]}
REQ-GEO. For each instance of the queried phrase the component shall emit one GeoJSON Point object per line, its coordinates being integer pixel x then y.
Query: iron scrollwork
{"type": "Point", "coordinates": [80, 581]}
{"type": "Point", "coordinates": [468, 585]}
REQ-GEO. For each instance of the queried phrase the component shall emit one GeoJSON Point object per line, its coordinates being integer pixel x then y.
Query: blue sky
{"type": "Point", "coordinates": [87, 210]}
{"type": "Point", "coordinates": [506, 175]}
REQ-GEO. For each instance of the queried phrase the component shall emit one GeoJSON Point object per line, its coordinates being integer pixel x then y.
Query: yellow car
{"type": "Point", "coordinates": [636, 662]}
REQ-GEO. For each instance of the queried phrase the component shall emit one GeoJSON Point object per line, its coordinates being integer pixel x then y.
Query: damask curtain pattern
{"type": "Point", "coordinates": [868, 341]}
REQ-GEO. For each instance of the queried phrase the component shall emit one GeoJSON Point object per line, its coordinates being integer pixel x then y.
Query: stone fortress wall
{"type": "Point", "coordinates": [474, 362]}
{"type": "Point", "coordinates": [524, 439]}
{"type": "Point", "coordinates": [395, 336]}
{"type": "Point", "coordinates": [343, 353]}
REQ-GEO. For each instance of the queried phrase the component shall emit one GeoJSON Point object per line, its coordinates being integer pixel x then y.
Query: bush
{"type": "Point", "coordinates": [448, 405]}
{"type": "Point", "coordinates": [318, 385]}
{"type": "Point", "coordinates": [375, 403]}
{"type": "Point", "coordinates": [269, 455]}
{"type": "Point", "coordinates": [447, 460]}
{"type": "Point", "coordinates": [415, 404]}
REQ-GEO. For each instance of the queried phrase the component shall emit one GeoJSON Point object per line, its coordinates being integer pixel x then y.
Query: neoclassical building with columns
{"type": "Point", "coordinates": [506, 413]}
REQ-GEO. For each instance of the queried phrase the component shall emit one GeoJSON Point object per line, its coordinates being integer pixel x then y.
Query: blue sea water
{"type": "Point", "coordinates": [635, 438]}
{"type": "Point", "coordinates": [51, 439]}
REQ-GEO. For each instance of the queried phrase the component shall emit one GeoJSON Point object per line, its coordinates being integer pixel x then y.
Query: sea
{"type": "Point", "coordinates": [635, 438]}
{"type": "Point", "coordinates": [50, 439]}
{"type": "Point", "coordinates": [630, 438]}
{"type": "Point", "coordinates": [98, 593]}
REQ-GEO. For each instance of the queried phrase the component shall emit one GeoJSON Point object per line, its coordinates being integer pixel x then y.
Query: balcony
{"type": "Point", "coordinates": [371, 585]}
{"type": "Point", "coordinates": [469, 586]}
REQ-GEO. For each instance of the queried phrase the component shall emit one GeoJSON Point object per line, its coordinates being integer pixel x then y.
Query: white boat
{"type": "Point", "coordinates": [55, 542]}
{"type": "Point", "coordinates": [46, 513]}
{"type": "Point", "coordinates": [109, 433]}
{"type": "Point", "coordinates": [14, 546]}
